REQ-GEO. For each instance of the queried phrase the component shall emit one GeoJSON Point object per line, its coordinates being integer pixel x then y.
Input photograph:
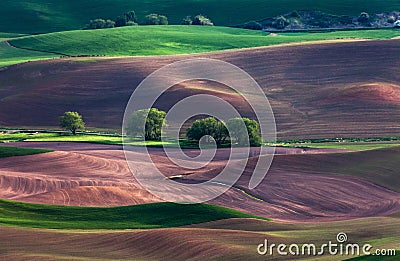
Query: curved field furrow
{"type": "Point", "coordinates": [95, 195]}
{"type": "Point", "coordinates": [98, 175]}
{"type": "Point", "coordinates": [157, 244]}
{"type": "Point", "coordinates": [304, 197]}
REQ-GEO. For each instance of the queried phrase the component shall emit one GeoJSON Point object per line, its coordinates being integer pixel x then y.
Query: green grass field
{"type": "Point", "coordinates": [10, 55]}
{"type": "Point", "coordinates": [7, 36]}
{"type": "Point", "coordinates": [356, 146]}
{"type": "Point", "coordinates": [129, 217]}
{"type": "Point", "coordinates": [39, 16]}
{"type": "Point", "coordinates": [164, 40]}
{"type": "Point", "coordinates": [14, 151]}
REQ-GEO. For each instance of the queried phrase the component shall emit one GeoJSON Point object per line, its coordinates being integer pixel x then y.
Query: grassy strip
{"type": "Point", "coordinates": [356, 146]}
{"type": "Point", "coordinates": [167, 40]}
{"type": "Point", "coordinates": [92, 138]}
{"type": "Point", "coordinates": [350, 144]}
{"type": "Point", "coordinates": [14, 151]}
{"type": "Point", "coordinates": [7, 36]}
{"type": "Point", "coordinates": [129, 217]}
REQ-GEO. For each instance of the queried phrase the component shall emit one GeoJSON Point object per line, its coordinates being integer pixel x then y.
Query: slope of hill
{"type": "Point", "coordinates": [233, 239]}
{"type": "Point", "coordinates": [128, 217]}
{"type": "Point", "coordinates": [161, 40]}
{"type": "Point", "coordinates": [39, 16]}
{"type": "Point", "coordinates": [316, 91]}
{"type": "Point", "coordinates": [10, 55]}
{"type": "Point", "coordinates": [81, 174]}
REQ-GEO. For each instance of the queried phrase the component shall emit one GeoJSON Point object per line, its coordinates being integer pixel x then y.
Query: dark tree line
{"type": "Point", "coordinates": [130, 19]}
{"type": "Point", "coordinates": [148, 124]}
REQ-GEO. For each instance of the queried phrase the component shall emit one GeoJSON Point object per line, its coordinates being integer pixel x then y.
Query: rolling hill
{"type": "Point", "coordinates": [316, 91]}
{"type": "Point", "coordinates": [233, 239]}
{"type": "Point", "coordinates": [39, 16]}
{"type": "Point", "coordinates": [128, 217]}
{"type": "Point", "coordinates": [162, 40]}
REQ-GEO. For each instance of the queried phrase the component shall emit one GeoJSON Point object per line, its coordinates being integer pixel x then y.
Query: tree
{"type": "Point", "coordinates": [100, 24]}
{"type": "Point", "coordinates": [253, 25]}
{"type": "Point", "coordinates": [280, 22]}
{"type": "Point", "coordinates": [187, 20]}
{"type": "Point", "coordinates": [72, 121]}
{"type": "Point", "coordinates": [202, 20]}
{"type": "Point", "coordinates": [126, 19]}
{"type": "Point", "coordinates": [208, 126]}
{"type": "Point", "coordinates": [151, 119]}
{"type": "Point", "coordinates": [156, 19]}
{"type": "Point", "coordinates": [120, 21]}
{"type": "Point", "coordinates": [363, 18]}
{"type": "Point", "coordinates": [244, 131]}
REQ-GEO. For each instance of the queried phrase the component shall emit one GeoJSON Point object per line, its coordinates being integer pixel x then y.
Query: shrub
{"type": "Point", "coordinates": [100, 24]}
{"type": "Point", "coordinates": [187, 20]}
{"type": "Point", "coordinates": [363, 18]}
{"type": "Point", "coordinates": [391, 19]}
{"type": "Point", "coordinates": [156, 19]}
{"type": "Point", "coordinates": [202, 20]}
{"type": "Point", "coordinates": [253, 25]}
{"type": "Point", "coordinates": [280, 23]}
{"type": "Point", "coordinates": [126, 19]}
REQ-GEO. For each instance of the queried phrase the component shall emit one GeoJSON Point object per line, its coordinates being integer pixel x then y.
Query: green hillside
{"type": "Point", "coordinates": [10, 55]}
{"type": "Point", "coordinates": [130, 217]}
{"type": "Point", "coordinates": [162, 40]}
{"type": "Point", "coordinates": [39, 16]}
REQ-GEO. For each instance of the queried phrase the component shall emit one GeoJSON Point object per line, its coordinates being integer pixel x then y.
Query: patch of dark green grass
{"type": "Point", "coordinates": [14, 151]}
{"type": "Point", "coordinates": [156, 215]}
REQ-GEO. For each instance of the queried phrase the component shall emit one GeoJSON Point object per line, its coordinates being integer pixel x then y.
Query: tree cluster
{"type": "Point", "coordinates": [243, 131]}
{"type": "Point", "coordinates": [156, 19]}
{"type": "Point", "coordinates": [127, 19]}
{"type": "Point", "coordinates": [197, 20]}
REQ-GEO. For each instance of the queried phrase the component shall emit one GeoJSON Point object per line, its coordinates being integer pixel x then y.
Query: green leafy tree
{"type": "Point", "coordinates": [208, 126]}
{"type": "Point", "coordinates": [156, 19]}
{"type": "Point", "coordinates": [100, 24]}
{"type": "Point", "coordinates": [152, 119]}
{"type": "Point", "coordinates": [202, 20]}
{"type": "Point", "coordinates": [187, 20]}
{"type": "Point", "coordinates": [121, 21]}
{"type": "Point", "coordinates": [126, 19]}
{"type": "Point", "coordinates": [280, 23]}
{"type": "Point", "coordinates": [363, 18]}
{"type": "Point", "coordinates": [72, 121]}
{"type": "Point", "coordinates": [244, 131]}
{"type": "Point", "coordinates": [253, 25]}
